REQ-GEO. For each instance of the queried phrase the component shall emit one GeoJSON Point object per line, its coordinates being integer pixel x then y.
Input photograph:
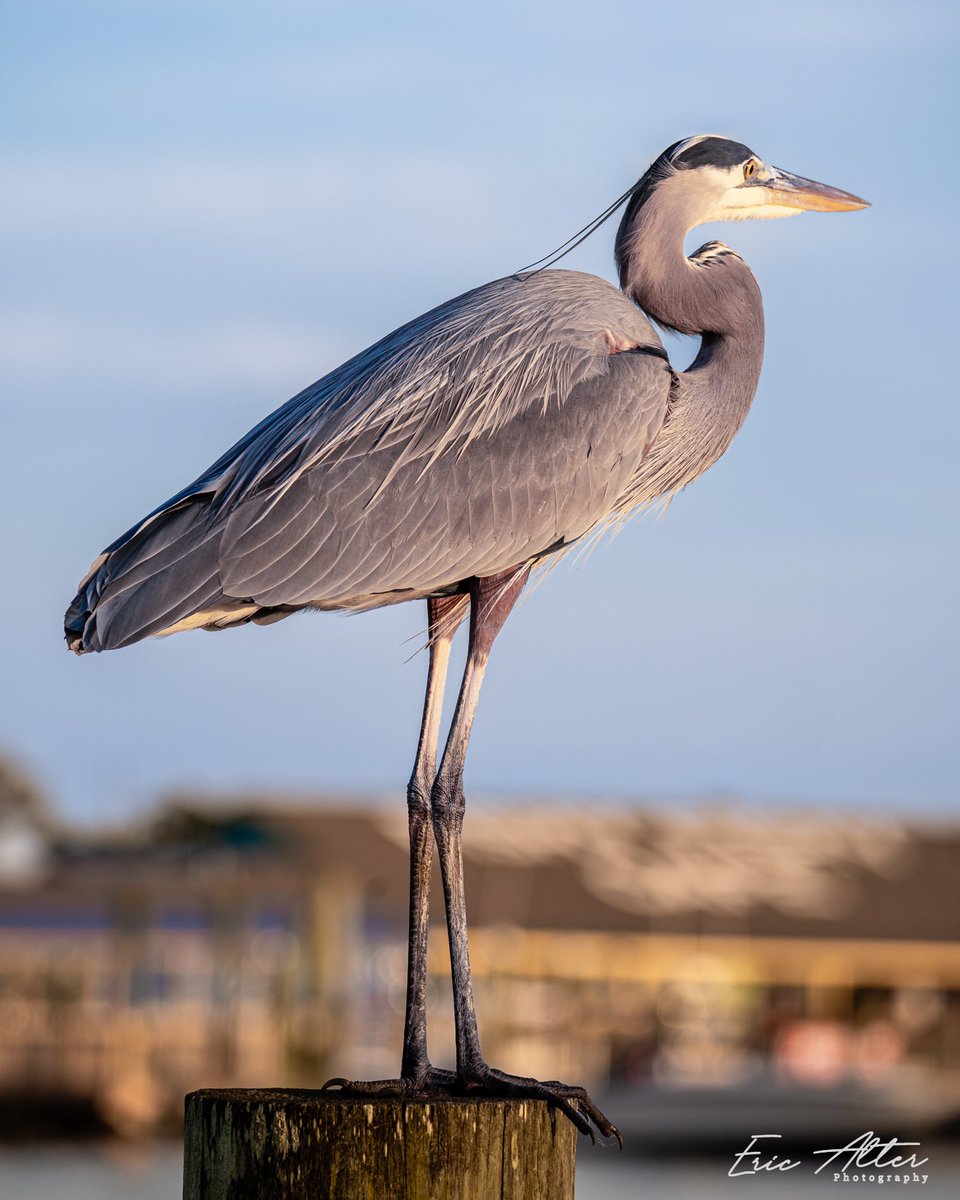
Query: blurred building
{"type": "Point", "coordinates": [258, 942]}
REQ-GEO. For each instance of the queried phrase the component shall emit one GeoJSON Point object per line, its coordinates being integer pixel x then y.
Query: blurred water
{"type": "Point", "coordinates": [120, 1172]}
{"type": "Point", "coordinates": [607, 1175]}
{"type": "Point", "coordinates": [103, 1171]}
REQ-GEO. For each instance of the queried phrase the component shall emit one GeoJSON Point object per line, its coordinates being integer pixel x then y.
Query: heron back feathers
{"type": "Point", "coordinates": [486, 432]}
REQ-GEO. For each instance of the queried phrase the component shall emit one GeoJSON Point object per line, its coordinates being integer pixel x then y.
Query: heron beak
{"type": "Point", "coordinates": [799, 194]}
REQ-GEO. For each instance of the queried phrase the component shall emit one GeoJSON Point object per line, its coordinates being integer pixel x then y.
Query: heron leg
{"type": "Point", "coordinates": [444, 614]}
{"type": "Point", "coordinates": [490, 603]}
{"type": "Point", "coordinates": [491, 600]}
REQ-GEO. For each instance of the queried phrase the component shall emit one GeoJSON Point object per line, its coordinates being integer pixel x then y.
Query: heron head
{"type": "Point", "coordinates": [713, 179]}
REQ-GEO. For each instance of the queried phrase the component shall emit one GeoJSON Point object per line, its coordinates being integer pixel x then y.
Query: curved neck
{"type": "Point", "coordinates": [712, 293]}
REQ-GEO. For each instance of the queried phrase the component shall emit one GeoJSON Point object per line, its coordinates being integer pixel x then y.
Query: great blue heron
{"type": "Point", "coordinates": [444, 463]}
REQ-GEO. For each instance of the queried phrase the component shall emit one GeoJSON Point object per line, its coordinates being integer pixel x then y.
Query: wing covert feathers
{"type": "Point", "coordinates": [488, 432]}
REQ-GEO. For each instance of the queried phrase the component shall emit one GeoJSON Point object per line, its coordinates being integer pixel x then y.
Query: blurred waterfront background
{"type": "Point", "coordinates": [712, 829]}
{"type": "Point", "coordinates": [711, 970]}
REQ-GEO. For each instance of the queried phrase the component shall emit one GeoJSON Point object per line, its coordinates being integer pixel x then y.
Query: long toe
{"type": "Point", "coordinates": [435, 1081]}
{"type": "Point", "coordinates": [574, 1102]}
{"type": "Point", "coordinates": [586, 1105]}
{"type": "Point", "coordinates": [366, 1087]}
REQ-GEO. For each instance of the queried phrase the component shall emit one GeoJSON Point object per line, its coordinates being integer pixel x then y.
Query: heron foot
{"type": "Point", "coordinates": [574, 1102]}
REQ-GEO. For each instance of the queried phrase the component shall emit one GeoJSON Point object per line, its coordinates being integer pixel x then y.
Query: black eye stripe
{"type": "Point", "coordinates": [713, 152]}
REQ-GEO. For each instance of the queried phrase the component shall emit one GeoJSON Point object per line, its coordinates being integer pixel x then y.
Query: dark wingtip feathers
{"type": "Point", "coordinates": [160, 571]}
{"type": "Point", "coordinates": [79, 621]}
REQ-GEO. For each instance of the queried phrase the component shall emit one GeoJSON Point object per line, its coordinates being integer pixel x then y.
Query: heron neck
{"type": "Point", "coordinates": [712, 293]}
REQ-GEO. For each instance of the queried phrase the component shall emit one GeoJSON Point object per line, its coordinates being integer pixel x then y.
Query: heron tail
{"type": "Point", "coordinates": [161, 576]}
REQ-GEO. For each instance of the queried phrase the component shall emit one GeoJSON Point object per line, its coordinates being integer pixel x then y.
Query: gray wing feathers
{"type": "Point", "coordinates": [163, 574]}
{"type": "Point", "coordinates": [462, 370]}
{"type": "Point", "coordinates": [473, 438]}
{"type": "Point", "coordinates": [338, 533]}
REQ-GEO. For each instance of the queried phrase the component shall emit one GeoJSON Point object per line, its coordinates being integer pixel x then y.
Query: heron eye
{"type": "Point", "coordinates": [750, 169]}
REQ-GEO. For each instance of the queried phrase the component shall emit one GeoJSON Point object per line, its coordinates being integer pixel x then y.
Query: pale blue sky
{"type": "Point", "coordinates": [208, 205]}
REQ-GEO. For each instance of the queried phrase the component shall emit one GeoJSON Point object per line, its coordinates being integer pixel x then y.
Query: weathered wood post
{"type": "Point", "coordinates": [303, 1145]}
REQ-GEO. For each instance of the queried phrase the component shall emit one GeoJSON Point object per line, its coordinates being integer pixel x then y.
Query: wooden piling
{"type": "Point", "coordinates": [295, 1145]}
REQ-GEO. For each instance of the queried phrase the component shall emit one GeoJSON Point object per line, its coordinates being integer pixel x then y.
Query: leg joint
{"type": "Point", "coordinates": [448, 801]}
{"type": "Point", "coordinates": [419, 806]}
